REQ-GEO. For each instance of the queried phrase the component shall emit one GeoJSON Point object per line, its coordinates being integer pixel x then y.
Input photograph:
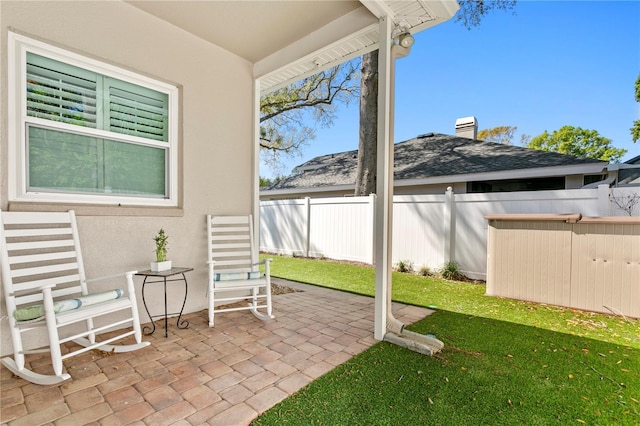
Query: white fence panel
{"type": "Point", "coordinates": [470, 237]}
{"type": "Point", "coordinates": [418, 230]}
{"type": "Point", "coordinates": [342, 228]}
{"type": "Point", "coordinates": [428, 230]}
{"type": "Point", "coordinates": [283, 227]}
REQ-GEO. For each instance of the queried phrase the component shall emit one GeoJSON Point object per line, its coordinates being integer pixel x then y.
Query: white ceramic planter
{"type": "Point", "coordinates": [160, 266]}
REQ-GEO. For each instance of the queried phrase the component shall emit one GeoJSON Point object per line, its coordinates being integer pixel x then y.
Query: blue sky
{"type": "Point", "coordinates": [549, 65]}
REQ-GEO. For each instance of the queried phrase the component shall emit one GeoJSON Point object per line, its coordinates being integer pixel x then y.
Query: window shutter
{"type": "Point", "coordinates": [137, 111]}
{"type": "Point", "coordinates": [130, 162]}
{"type": "Point", "coordinates": [61, 92]}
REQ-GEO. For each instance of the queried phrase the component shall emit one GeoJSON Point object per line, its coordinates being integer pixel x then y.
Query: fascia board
{"type": "Point", "coordinates": [440, 11]}
{"type": "Point", "coordinates": [623, 166]}
{"type": "Point", "coordinates": [303, 191]}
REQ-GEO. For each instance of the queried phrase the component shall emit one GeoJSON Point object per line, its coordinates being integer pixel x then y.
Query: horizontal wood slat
{"type": "Point", "coordinates": [42, 270]}
{"type": "Point", "coordinates": [31, 285]}
{"type": "Point", "coordinates": [41, 257]}
{"type": "Point", "coordinates": [33, 245]}
{"type": "Point", "coordinates": [16, 233]}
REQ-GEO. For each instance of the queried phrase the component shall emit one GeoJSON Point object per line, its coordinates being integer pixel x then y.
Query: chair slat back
{"type": "Point", "coordinates": [39, 249]}
{"type": "Point", "coordinates": [231, 243]}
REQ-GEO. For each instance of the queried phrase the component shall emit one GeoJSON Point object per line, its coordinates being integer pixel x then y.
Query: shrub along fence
{"type": "Point", "coordinates": [428, 230]}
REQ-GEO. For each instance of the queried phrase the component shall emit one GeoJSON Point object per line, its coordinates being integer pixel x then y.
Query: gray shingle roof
{"type": "Point", "coordinates": [430, 155]}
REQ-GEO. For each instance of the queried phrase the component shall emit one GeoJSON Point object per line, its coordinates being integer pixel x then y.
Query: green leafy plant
{"type": "Point", "coordinates": [405, 266]}
{"type": "Point", "coordinates": [161, 245]}
{"type": "Point", "coordinates": [451, 271]}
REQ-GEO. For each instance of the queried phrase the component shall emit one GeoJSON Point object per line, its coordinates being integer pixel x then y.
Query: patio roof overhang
{"type": "Point", "coordinates": [288, 40]}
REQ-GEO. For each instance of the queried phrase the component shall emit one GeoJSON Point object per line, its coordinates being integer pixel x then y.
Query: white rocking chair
{"type": "Point", "coordinates": [45, 290]}
{"type": "Point", "coordinates": [234, 269]}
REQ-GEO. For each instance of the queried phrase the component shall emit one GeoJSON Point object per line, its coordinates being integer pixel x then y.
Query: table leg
{"type": "Point", "coordinates": [146, 329]}
{"type": "Point", "coordinates": [184, 323]}
{"type": "Point", "coordinates": [166, 320]}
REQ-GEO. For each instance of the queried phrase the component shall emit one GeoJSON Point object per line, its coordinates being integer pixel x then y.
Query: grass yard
{"type": "Point", "coordinates": [504, 362]}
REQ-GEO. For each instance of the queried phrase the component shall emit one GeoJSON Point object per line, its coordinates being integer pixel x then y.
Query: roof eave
{"type": "Point", "coordinates": [508, 174]}
{"type": "Point", "coordinates": [312, 190]}
{"type": "Point", "coordinates": [357, 32]}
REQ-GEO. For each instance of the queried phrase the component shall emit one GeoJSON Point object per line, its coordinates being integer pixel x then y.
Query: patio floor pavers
{"type": "Point", "coordinates": [225, 375]}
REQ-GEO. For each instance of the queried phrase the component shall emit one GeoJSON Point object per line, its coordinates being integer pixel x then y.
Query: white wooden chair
{"type": "Point", "coordinates": [234, 268]}
{"type": "Point", "coordinates": [47, 297]}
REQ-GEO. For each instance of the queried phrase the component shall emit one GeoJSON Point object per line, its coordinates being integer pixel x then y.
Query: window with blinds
{"type": "Point", "coordinates": [90, 132]}
{"type": "Point", "coordinates": [75, 160]}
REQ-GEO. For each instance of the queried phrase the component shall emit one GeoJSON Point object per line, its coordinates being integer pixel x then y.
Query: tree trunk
{"type": "Point", "coordinates": [368, 138]}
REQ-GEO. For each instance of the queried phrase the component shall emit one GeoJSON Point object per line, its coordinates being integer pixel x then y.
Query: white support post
{"type": "Point", "coordinates": [447, 230]}
{"type": "Point", "coordinates": [307, 226]}
{"type": "Point", "coordinates": [255, 207]}
{"type": "Point", "coordinates": [384, 185]}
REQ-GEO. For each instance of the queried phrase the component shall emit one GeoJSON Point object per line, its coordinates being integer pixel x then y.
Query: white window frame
{"type": "Point", "coordinates": [18, 46]}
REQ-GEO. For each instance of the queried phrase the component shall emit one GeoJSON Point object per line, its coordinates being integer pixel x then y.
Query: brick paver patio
{"type": "Point", "coordinates": [226, 375]}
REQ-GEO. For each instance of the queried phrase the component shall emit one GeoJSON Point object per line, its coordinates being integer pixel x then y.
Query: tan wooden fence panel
{"type": "Point", "coordinates": [606, 266]}
{"type": "Point", "coordinates": [588, 263]}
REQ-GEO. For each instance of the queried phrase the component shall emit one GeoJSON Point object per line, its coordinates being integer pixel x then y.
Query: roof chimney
{"type": "Point", "coordinates": [467, 127]}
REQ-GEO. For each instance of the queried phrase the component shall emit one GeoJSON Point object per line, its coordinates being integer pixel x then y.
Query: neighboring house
{"type": "Point", "coordinates": [628, 172]}
{"type": "Point", "coordinates": [142, 115]}
{"type": "Point", "coordinates": [430, 163]}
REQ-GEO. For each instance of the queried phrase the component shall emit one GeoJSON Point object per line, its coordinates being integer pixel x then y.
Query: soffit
{"type": "Point", "coordinates": [288, 40]}
{"type": "Point", "coordinates": [249, 29]}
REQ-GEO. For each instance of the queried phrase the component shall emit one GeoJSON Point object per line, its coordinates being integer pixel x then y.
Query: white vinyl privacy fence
{"type": "Point", "coordinates": [428, 230]}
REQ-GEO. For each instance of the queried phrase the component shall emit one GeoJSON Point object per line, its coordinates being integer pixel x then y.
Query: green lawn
{"type": "Point", "coordinates": [504, 362]}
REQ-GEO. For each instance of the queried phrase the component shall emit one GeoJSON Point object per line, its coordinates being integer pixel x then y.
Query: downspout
{"type": "Point", "coordinates": [395, 332]}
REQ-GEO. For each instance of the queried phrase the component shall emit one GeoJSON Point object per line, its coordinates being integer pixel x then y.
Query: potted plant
{"type": "Point", "coordinates": [161, 263]}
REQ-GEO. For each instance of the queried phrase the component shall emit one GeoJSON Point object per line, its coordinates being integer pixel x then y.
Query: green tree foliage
{"type": "Point", "coordinates": [503, 135]}
{"type": "Point", "coordinates": [635, 130]}
{"type": "Point", "coordinates": [266, 182]}
{"type": "Point", "coordinates": [500, 134]}
{"type": "Point", "coordinates": [285, 114]}
{"type": "Point", "coordinates": [578, 142]}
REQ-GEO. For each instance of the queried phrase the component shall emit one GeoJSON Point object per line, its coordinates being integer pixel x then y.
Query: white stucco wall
{"type": "Point", "coordinates": [216, 135]}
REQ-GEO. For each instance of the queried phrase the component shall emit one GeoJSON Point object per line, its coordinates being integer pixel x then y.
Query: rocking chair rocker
{"type": "Point", "coordinates": [234, 269]}
{"type": "Point", "coordinates": [46, 292]}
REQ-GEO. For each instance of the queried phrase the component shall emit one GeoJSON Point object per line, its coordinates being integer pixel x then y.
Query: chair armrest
{"type": "Point", "coordinates": [262, 262]}
{"type": "Point", "coordinates": [127, 275]}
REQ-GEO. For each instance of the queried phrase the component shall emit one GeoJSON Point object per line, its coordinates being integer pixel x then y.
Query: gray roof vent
{"type": "Point", "coordinates": [426, 135]}
{"type": "Point", "coordinates": [467, 127]}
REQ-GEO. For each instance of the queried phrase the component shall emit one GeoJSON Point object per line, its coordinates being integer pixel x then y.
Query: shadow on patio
{"type": "Point", "coordinates": [225, 375]}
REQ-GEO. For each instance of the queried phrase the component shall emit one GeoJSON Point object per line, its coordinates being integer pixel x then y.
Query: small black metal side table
{"type": "Point", "coordinates": [163, 278]}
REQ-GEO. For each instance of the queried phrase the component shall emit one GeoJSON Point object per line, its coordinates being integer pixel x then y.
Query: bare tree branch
{"type": "Point", "coordinates": [286, 113]}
